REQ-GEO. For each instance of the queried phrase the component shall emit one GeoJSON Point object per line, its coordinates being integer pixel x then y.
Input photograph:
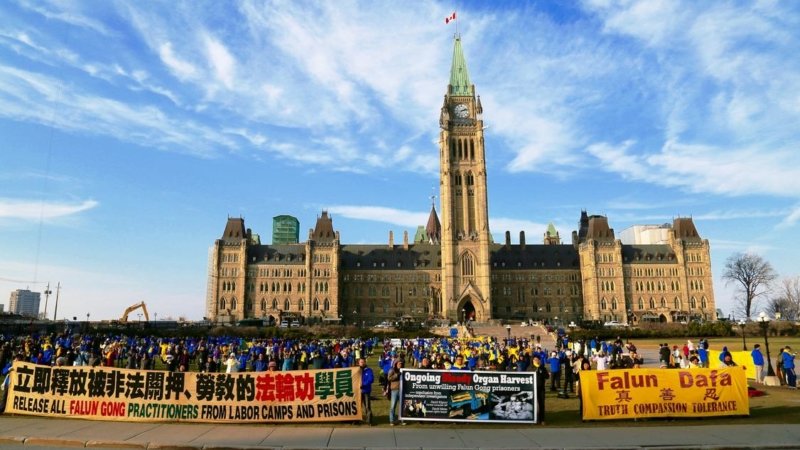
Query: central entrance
{"type": "Point", "coordinates": [467, 311]}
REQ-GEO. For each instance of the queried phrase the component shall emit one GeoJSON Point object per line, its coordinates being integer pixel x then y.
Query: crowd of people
{"type": "Point", "coordinates": [560, 363]}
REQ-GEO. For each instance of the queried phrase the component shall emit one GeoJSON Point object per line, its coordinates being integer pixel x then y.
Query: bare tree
{"type": "Point", "coordinates": [786, 300]}
{"type": "Point", "coordinates": [753, 276]}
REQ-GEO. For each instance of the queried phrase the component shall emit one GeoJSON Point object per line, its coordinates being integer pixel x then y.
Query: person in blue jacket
{"type": "Point", "coordinates": [554, 361]}
{"type": "Point", "coordinates": [702, 354]}
{"type": "Point", "coordinates": [367, 378]}
{"type": "Point", "coordinates": [788, 367]}
{"type": "Point", "coordinates": [758, 361]}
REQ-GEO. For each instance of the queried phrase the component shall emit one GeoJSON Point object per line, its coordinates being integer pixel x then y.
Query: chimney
{"type": "Point", "coordinates": [391, 239]}
{"type": "Point", "coordinates": [405, 240]}
{"type": "Point", "coordinates": [522, 239]}
{"type": "Point", "coordinates": [508, 239]}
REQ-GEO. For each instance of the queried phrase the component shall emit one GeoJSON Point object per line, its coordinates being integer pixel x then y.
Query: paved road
{"type": "Point", "coordinates": [29, 433]}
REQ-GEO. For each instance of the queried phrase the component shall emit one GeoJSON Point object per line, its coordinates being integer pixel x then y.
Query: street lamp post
{"type": "Point", "coordinates": [742, 324]}
{"type": "Point", "coordinates": [508, 330]}
{"type": "Point", "coordinates": [464, 315]}
{"type": "Point", "coordinates": [763, 320]}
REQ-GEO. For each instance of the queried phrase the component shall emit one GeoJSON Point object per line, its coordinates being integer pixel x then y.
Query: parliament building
{"type": "Point", "coordinates": [452, 269]}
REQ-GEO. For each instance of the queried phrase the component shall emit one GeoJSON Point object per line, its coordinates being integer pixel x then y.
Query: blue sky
{"type": "Point", "coordinates": [130, 131]}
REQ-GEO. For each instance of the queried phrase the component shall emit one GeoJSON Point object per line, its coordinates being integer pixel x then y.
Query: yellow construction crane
{"type": "Point", "coordinates": [128, 310]}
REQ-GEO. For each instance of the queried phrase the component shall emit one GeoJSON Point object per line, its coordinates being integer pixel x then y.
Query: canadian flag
{"type": "Point", "coordinates": [451, 18]}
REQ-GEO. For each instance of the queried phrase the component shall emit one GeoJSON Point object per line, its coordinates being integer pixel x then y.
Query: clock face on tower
{"type": "Point", "coordinates": [461, 111]}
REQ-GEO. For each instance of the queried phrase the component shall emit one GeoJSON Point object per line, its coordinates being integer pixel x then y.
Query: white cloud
{"type": "Point", "coordinates": [791, 218]}
{"type": "Point", "coordinates": [652, 21]}
{"type": "Point", "coordinates": [31, 97]}
{"type": "Point", "coordinates": [221, 61]}
{"type": "Point", "coordinates": [713, 78]}
{"type": "Point", "coordinates": [728, 89]}
{"type": "Point", "coordinates": [619, 159]}
{"type": "Point", "coordinates": [36, 210]}
{"type": "Point", "coordinates": [382, 214]}
{"type": "Point", "coordinates": [181, 69]}
{"type": "Point", "coordinates": [704, 168]}
{"type": "Point", "coordinates": [59, 11]}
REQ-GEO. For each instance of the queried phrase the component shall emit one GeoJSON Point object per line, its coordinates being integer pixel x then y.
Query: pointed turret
{"type": "Point", "coordinates": [551, 236]}
{"type": "Point", "coordinates": [433, 230]}
{"type": "Point", "coordinates": [323, 231]}
{"type": "Point", "coordinates": [234, 230]}
{"type": "Point", "coordinates": [459, 77]}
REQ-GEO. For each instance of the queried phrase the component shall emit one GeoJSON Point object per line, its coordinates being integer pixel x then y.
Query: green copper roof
{"type": "Point", "coordinates": [551, 230]}
{"type": "Point", "coordinates": [459, 77]}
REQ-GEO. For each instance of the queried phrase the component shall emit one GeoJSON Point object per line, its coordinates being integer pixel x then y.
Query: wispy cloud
{"type": "Point", "coordinates": [791, 218]}
{"type": "Point", "coordinates": [704, 168]}
{"type": "Point", "coordinates": [61, 11]}
{"type": "Point", "coordinates": [181, 69]}
{"type": "Point", "coordinates": [410, 219]}
{"type": "Point", "coordinates": [35, 210]}
{"type": "Point", "coordinates": [728, 89]}
{"type": "Point", "coordinates": [221, 61]}
{"type": "Point", "coordinates": [667, 93]}
{"type": "Point", "coordinates": [33, 97]}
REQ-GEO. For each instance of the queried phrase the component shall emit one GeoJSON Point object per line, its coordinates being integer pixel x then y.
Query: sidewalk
{"type": "Point", "coordinates": [22, 432]}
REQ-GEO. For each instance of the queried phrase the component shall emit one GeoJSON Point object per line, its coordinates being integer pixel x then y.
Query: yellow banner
{"type": "Point", "coordinates": [107, 393]}
{"type": "Point", "coordinates": [638, 393]}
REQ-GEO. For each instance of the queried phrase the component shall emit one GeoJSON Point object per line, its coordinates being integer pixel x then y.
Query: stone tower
{"type": "Point", "coordinates": [466, 282]}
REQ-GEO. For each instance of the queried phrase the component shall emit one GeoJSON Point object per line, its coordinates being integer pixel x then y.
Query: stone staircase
{"type": "Point", "coordinates": [517, 331]}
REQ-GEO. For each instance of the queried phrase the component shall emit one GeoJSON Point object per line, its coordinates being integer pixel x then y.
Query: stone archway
{"type": "Point", "coordinates": [471, 308]}
{"type": "Point", "coordinates": [467, 311]}
{"type": "Point", "coordinates": [662, 318]}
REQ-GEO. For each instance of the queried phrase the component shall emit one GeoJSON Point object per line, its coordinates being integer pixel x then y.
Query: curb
{"type": "Point", "coordinates": [115, 444]}
{"type": "Point", "coordinates": [54, 442]}
{"type": "Point", "coordinates": [18, 440]}
{"type": "Point", "coordinates": [174, 446]}
{"type": "Point", "coordinates": [237, 447]}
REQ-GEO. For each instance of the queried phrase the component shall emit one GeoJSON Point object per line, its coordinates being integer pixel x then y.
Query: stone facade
{"type": "Point", "coordinates": [453, 270]}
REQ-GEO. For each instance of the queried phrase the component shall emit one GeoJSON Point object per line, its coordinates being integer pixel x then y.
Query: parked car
{"type": "Point", "coordinates": [284, 324]}
{"type": "Point", "coordinates": [295, 323]}
{"type": "Point", "coordinates": [615, 324]}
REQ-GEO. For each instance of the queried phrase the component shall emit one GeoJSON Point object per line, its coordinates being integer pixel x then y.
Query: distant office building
{"type": "Point", "coordinates": [646, 234]}
{"type": "Point", "coordinates": [285, 230]}
{"type": "Point", "coordinates": [24, 302]}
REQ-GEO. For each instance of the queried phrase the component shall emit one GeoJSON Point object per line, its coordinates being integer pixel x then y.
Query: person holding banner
{"type": "Point", "coordinates": [727, 361]}
{"type": "Point", "coordinates": [601, 361]}
{"type": "Point", "coordinates": [541, 381]}
{"type": "Point", "coordinates": [393, 377]}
